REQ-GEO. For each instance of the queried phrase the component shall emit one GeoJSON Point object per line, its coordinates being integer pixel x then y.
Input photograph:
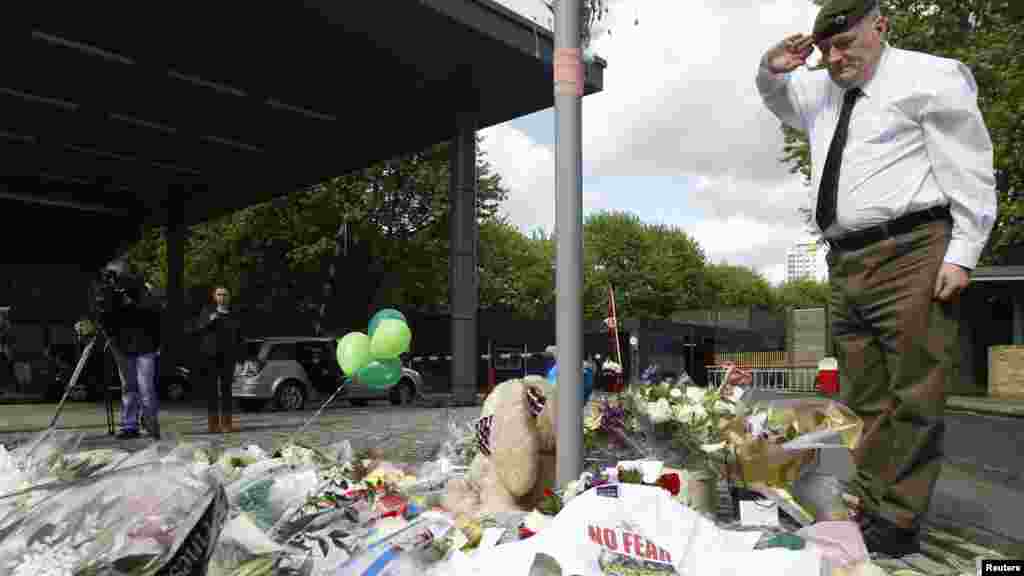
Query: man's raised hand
{"type": "Point", "coordinates": [789, 54]}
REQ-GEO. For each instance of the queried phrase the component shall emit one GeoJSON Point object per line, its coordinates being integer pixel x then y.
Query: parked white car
{"type": "Point", "coordinates": [285, 371]}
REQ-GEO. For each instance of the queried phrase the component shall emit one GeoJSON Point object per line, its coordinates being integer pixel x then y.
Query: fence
{"type": "Point", "coordinates": [770, 359]}
{"type": "Point", "coordinates": [799, 380]}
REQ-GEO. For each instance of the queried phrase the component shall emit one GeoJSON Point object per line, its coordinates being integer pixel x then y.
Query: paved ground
{"type": "Point", "coordinates": [409, 434]}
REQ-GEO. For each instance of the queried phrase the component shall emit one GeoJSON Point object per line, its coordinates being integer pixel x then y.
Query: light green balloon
{"type": "Point", "coordinates": [353, 352]}
{"type": "Point", "coordinates": [382, 315]}
{"type": "Point", "coordinates": [390, 339]}
{"type": "Point", "coordinates": [380, 373]}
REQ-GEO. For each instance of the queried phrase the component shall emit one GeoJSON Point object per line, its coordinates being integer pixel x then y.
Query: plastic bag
{"type": "Point", "coordinates": [141, 518]}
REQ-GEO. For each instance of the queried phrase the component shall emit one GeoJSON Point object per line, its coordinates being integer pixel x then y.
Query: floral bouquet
{"type": "Point", "coordinates": [685, 424]}
{"type": "Point", "coordinates": [610, 428]}
{"type": "Point", "coordinates": [775, 451]}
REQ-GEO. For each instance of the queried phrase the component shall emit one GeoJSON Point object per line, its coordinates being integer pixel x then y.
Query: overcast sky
{"type": "Point", "coordinates": [679, 136]}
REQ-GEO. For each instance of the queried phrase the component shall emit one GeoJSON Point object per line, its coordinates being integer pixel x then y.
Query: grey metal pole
{"type": "Point", "coordinates": [568, 76]}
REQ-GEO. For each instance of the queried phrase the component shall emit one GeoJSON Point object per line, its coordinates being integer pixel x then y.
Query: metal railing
{"type": "Point", "coordinates": [800, 380]}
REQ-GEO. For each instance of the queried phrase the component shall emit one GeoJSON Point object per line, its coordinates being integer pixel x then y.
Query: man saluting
{"type": "Point", "coordinates": [904, 195]}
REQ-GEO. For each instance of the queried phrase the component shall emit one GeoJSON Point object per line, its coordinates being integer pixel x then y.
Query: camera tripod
{"type": "Point", "coordinates": [83, 360]}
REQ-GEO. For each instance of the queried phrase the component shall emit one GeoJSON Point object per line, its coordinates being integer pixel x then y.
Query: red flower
{"type": "Point", "coordinates": [525, 532]}
{"type": "Point", "coordinates": [548, 493]}
{"type": "Point", "coordinates": [670, 482]}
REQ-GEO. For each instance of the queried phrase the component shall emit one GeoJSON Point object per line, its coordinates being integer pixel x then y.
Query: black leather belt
{"type": "Point", "coordinates": [859, 239]}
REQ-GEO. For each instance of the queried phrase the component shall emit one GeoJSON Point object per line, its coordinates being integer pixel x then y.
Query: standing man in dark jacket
{"type": "Point", "coordinates": [132, 322]}
{"type": "Point", "coordinates": [221, 341]}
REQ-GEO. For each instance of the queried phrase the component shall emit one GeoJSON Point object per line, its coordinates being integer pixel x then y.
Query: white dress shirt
{"type": "Point", "coordinates": [916, 140]}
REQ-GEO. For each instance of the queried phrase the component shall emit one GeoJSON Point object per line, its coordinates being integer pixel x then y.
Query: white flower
{"type": "Point", "coordinates": [682, 413]}
{"type": "Point", "coordinates": [651, 470]}
{"type": "Point", "coordinates": [675, 393]}
{"type": "Point", "coordinates": [712, 448]}
{"type": "Point", "coordinates": [694, 394]}
{"type": "Point", "coordinates": [571, 490]}
{"type": "Point", "coordinates": [535, 521]}
{"type": "Point", "coordinates": [660, 411]}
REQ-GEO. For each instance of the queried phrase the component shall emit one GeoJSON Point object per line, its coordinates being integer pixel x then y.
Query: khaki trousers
{"type": "Point", "coordinates": [895, 344]}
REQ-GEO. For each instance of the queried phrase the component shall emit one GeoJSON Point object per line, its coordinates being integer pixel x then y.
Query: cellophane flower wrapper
{"type": "Point", "coordinates": [128, 521]}
{"type": "Point", "coordinates": [776, 450]}
{"type": "Point", "coordinates": [406, 548]}
{"type": "Point", "coordinates": [451, 461]}
{"type": "Point", "coordinates": [43, 459]}
{"type": "Point", "coordinates": [274, 529]}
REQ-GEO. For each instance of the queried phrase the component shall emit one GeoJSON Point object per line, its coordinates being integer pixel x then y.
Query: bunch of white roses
{"type": "Point", "coordinates": [691, 415]}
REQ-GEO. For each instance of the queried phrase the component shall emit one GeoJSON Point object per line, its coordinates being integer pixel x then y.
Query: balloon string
{"type": "Point", "coordinates": [315, 415]}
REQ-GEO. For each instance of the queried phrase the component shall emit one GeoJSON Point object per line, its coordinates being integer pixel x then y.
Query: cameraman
{"type": "Point", "coordinates": [132, 322]}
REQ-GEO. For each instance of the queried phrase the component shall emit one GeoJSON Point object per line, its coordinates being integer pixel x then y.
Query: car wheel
{"type": "Point", "coordinates": [404, 393]}
{"type": "Point", "coordinates": [359, 403]}
{"type": "Point", "coordinates": [290, 396]}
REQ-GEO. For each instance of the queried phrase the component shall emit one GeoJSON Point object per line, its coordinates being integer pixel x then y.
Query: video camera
{"type": "Point", "coordinates": [115, 290]}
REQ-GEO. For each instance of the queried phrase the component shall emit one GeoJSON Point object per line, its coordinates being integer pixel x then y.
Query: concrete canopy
{"type": "Point", "coordinates": [108, 112]}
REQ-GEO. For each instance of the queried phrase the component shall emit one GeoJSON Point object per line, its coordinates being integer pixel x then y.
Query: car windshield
{"type": "Point", "coordinates": [252, 348]}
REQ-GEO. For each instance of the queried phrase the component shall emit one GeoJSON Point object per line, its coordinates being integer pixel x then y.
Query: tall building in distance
{"type": "Point", "coordinates": [806, 260]}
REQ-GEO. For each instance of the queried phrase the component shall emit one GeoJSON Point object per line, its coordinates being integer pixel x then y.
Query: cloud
{"type": "Point", "coordinates": [742, 240]}
{"type": "Point", "coordinates": [679, 94]}
{"type": "Point", "coordinates": [679, 102]}
{"type": "Point", "coordinates": [527, 171]}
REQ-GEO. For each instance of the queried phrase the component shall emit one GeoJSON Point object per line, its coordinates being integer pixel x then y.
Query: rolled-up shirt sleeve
{"type": "Point", "coordinates": [960, 150]}
{"type": "Point", "coordinates": [782, 96]}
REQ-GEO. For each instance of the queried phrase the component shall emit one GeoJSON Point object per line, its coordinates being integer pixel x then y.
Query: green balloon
{"type": "Point", "coordinates": [380, 373]}
{"type": "Point", "coordinates": [353, 352]}
{"type": "Point", "coordinates": [384, 315]}
{"type": "Point", "coordinates": [390, 339]}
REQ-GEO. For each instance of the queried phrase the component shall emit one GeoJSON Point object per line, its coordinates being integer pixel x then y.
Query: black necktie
{"type": "Point", "coordinates": [826, 213]}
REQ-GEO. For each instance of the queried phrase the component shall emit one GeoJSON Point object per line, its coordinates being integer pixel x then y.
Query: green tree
{"type": "Point", "coordinates": [516, 271]}
{"type": "Point", "coordinates": [986, 35]}
{"type": "Point", "coordinates": [729, 286]}
{"type": "Point", "coordinates": [802, 294]}
{"type": "Point", "coordinates": [654, 269]}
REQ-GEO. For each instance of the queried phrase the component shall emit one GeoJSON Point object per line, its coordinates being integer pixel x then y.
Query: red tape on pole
{"type": "Point", "coordinates": [568, 71]}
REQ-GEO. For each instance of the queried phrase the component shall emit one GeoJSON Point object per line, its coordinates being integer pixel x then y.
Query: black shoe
{"type": "Point", "coordinates": [127, 434]}
{"type": "Point", "coordinates": [151, 428]}
{"type": "Point", "coordinates": [884, 537]}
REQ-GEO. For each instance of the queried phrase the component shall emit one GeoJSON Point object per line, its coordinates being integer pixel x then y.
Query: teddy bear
{"type": "Point", "coordinates": [516, 436]}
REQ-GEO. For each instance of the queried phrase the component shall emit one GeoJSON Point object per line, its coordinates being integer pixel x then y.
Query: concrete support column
{"type": "Point", "coordinates": [463, 282]}
{"type": "Point", "coordinates": [174, 316]}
